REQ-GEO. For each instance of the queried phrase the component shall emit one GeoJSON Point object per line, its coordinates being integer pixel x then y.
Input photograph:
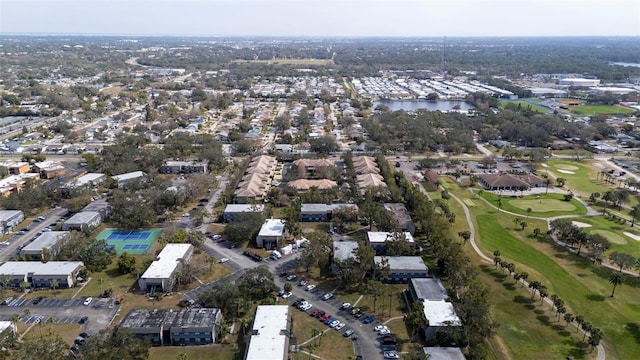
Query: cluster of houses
{"type": "Point", "coordinates": [367, 173]}
{"type": "Point", "coordinates": [256, 181]}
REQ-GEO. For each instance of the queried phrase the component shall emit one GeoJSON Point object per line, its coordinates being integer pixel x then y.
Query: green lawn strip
{"type": "Point", "coordinates": [332, 345]}
{"type": "Point", "coordinates": [585, 294]}
{"type": "Point", "coordinates": [524, 105]}
{"type": "Point", "coordinates": [582, 181]}
{"type": "Point", "coordinates": [601, 109]}
{"type": "Point", "coordinates": [619, 241]}
{"type": "Point", "coordinates": [218, 352]}
{"type": "Point", "coordinates": [548, 205]}
{"type": "Point", "coordinates": [398, 307]}
{"type": "Point", "coordinates": [529, 330]}
{"type": "Point", "coordinates": [110, 278]}
{"type": "Point", "coordinates": [399, 329]}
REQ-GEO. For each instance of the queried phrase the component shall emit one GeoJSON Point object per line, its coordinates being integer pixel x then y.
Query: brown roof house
{"type": "Point", "coordinates": [511, 182]}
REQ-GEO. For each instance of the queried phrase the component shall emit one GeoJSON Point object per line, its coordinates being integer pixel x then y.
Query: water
{"type": "Point", "coordinates": [625, 64]}
{"type": "Point", "coordinates": [442, 105]}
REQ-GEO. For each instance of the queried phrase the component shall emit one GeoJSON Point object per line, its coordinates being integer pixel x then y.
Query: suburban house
{"type": "Point", "coordinates": [401, 216]}
{"type": "Point", "coordinates": [198, 326]}
{"type": "Point", "coordinates": [378, 239]}
{"type": "Point", "coordinates": [124, 179]}
{"type": "Point", "coordinates": [231, 211]}
{"type": "Point", "coordinates": [45, 246]}
{"type": "Point", "coordinates": [9, 219]}
{"type": "Point", "coordinates": [271, 234]}
{"type": "Point", "coordinates": [322, 212]}
{"type": "Point", "coordinates": [511, 182]}
{"type": "Point", "coordinates": [83, 221]}
{"type": "Point", "coordinates": [270, 333]}
{"type": "Point", "coordinates": [400, 269]}
{"type": "Point", "coordinates": [160, 276]}
{"type": "Point", "coordinates": [314, 168]}
{"type": "Point", "coordinates": [183, 167]}
{"type": "Point", "coordinates": [39, 274]}
{"type": "Point", "coordinates": [365, 165]}
{"type": "Point", "coordinates": [303, 185]}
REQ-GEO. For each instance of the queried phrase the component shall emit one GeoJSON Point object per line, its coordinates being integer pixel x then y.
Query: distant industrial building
{"type": "Point", "coordinates": [183, 167]}
{"type": "Point", "coordinates": [124, 179]}
{"type": "Point", "coordinates": [271, 234]}
{"type": "Point", "coordinates": [378, 239]}
{"type": "Point", "coordinates": [83, 221]}
{"type": "Point", "coordinates": [9, 219]}
{"type": "Point", "coordinates": [39, 274]}
{"type": "Point", "coordinates": [270, 333]}
{"type": "Point", "coordinates": [579, 82]}
{"type": "Point", "coordinates": [232, 211]}
{"type": "Point", "coordinates": [402, 268]}
{"type": "Point", "coordinates": [45, 246]}
{"type": "Point", "coordinates": [174, 327]}
{"type": "Point", "coordinates": [161, 274]}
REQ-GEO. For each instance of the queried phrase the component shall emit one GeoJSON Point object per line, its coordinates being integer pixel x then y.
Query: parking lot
{"type": "Point", "coordinates": [98, 314]}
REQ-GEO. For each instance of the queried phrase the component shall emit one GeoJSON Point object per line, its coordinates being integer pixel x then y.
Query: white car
{"type": "Point", "coordinates": [286, 295]}
{"type": "Point", "coordinates": [391, 355]}
{"type": "Point", "coordinates": [310, 287]}
{"type": "Point", "coordinates": [340, 326]}
{"type": "Point", "coordinates": [306, 307]}
{"type": "Point", "coordinates": [216, 237]}
{"type": "Point", "coordinates": [223, 260]}
{"type": "Point", "coordinates": [384, 332]}
{"type": "Point", "coordinates": [327, 296]}
{"type": "Point", "coordinates": [334, 323]}
{"type": "Point", "coordinates": [345, 306]}
{"type": "Point", "coordinates": [380, 327]}
{"type": "Point", "coordinates": [87, 301]}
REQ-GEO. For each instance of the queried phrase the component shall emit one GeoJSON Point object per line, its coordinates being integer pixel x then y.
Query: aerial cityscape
{"type": "Point", "coordinates": [296, 180]}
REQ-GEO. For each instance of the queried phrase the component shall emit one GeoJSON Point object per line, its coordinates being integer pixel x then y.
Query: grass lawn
{"type": "Point", "coordinates": [68, 332]}
{"type": "Point", "coordinates": [217, 352]}
{"type": "Point", "coordinates": [601, 110]}
{"type": "Point", "coordinates": [331, 345]}
{"type": "Point", "coordinates": [584, 287]}
{"type": "Point", "coordinates": [399, 329]}
{"type": "Point", "coordinates": [524, 105]}
{"type": "Point", "coordinates": [546, 206]}
{"type": "Point", "coordinates": [581, 180]}
{"type": "Point", "coordinates": [381, 314]}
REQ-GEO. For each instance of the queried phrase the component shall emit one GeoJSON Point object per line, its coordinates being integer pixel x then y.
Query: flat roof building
{"type": "Point", "coordinates": [89, 179]}
{"type": "Point", "coordinates": [39, 274]}
{"type": "Point", "coordinates": [377, 240]}
{"type": "Point", "coordinates": [174, 327]}
{"type": "Point", "coordinates": [430, 289]}
{"type": "Point", "coordinates": [443, 353]}
{"type": "Point", "coordinates": [160, 275]}
{"type": "Point", "coordinates": [401, 215]}
{"type": "Point", "coordinates": [402, 268]}
{"type": "Point", "coordinates": [82, 221]}
{"type": "Point", "coordinates": [269, 333]}
{"type": "Point", "coordinates": [183, 167]}
{"type": "Point", "coordinates": [124, 179]}
{"type": "Point", "coordinates": [439, 314]}
{"type": "Point", "coordinates": [10, 219]}
{"type": "Point", "coordinates": [271, 234]}
{"type": "Point", "coordinates": [45, 246]}
{"type": "Point", "coordinates": [231, 211]}
{"type": "Point", "coordinates": [322, 212]}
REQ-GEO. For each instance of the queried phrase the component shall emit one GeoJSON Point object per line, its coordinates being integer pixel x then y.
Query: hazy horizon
{"type": "Point", "coordinates": [322, 19]}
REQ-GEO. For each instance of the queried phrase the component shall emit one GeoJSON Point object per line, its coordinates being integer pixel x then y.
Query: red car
{"type": "Point", "coordinates": [316, 312]}
{"type": "Point", "coordinates": [325, 317]}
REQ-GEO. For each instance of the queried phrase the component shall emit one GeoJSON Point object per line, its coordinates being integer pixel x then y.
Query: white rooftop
{"type": "Point", "coordinates": [82, 217]}
{"type": "Point", "coordinates": [269, 341]}
{"type": "Point", "coordinates": [45, 241]}
{"type": "Point", "coordinates": [6, 215]}
{"type": "Point", "coordinates": [343, 250]}
{"type": "Point", "coordinates": [380, 237]}
{"type": "Point", "coordinates": [87, 179]}
{"type": "Point", "coordinates": [129, 176]}
{"type": "Point", "coordinates": [272, 227]}
{"type": "Point", "coordinates": [167, 261]}
{"type": "Point", "coordinates": [397, 263]}
{"type": "Point", "coordinates": [238, 208]}
{"type": "Point", "coordinates": [440, 313]}
{"type": "Point", "coordinates": [39, 268]}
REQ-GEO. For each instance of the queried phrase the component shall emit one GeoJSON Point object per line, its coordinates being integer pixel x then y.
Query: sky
{"type": "Point", "coordinates": [323, 18]}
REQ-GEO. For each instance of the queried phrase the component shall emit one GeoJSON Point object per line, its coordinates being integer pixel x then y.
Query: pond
{"type": "Point", "coordinates": [406, 105]}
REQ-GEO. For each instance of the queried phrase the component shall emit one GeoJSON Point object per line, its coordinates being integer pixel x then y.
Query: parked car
{"type": "Point", "coordinates": [320, 314]}
{"type": "Point", "coordinates": [327, 296]}
{"type": "Point", "coordinates": [368, 320]}
{"type": "Point", "coordinates": [7, 300]}
{"type": "Point", "coordinates": [87, 301]}
{"type": "Point", "coordinates": [286, 295]}
{"type": "Point", "coordinates": [119, 300]}
{"type": "Point", "coordinates": [355, 311]}
{"type": "Point", "coordinates": [216, 237]}
{"type": "Point", "coordinates": [302, 283]}
{"type": "Point", "coordinates": [380, 327]}
{"type": "Point", "coordinates": [315, 312]}
{"type": "Point", "coordinates": [310, 287]}
{"type": "Point", "coordinates": [345, 306]}
{"type": "Point", "coordinates": [340, 326]}
{"type": "Point", "coordinates": [223, 260]}
{"type": "Point", "coordinates": [83, 319]}
{"type": "Point", "coordinates": [391, 355]}
{"type": "Point", "coordinates": [291, 277]}
{"type": "Point", "coordinates": [348, 332]}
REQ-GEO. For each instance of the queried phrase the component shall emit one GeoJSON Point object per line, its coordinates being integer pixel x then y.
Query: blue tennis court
{"type": "Point", "coordinates": [135, 242]}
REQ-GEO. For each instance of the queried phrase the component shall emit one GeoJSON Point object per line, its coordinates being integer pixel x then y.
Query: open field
{"type": "Point", "coordinates": [601, 110]}
{"type": "Point", "coordinates": [308, 62]}
{"type": "Point", "coordinates": [548, 205]}
{"type": "Point", "coordinates": [217, 352]}
{"type": "Point", "coordinates": [524, 105]}
{"type": "Point", "coordinates": [68, 332]}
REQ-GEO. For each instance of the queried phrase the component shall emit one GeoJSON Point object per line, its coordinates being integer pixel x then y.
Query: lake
{"type": "Point", "coordinates": [442, 105]}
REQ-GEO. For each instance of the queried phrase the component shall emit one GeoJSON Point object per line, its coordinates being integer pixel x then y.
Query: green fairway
{"type": "Point", "coordinates": [582, 181]}
{"type": "Point", "coordinates": [611, 236]}
{"type": "Point", "coordinates": [601, 110]}
{"type": "Point", "coordinates": [614, 233]}
{"type": "Point", "coordinates": [584, 290]}
{"type": "Point", "coordinates": [543, 205]}
{"type": "Point", "coordinates": [548, 205]}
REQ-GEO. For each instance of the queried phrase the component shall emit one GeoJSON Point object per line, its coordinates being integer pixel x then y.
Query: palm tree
{"type": "Point", "coordinates": [465, 235]}
{"type": "Point", "coordinates": [579, 321]}
{"type": "Point", "coordinates": [586, 327]}
{"type": "Point", "coordinates": [608, 196]}
{"type": "Point", "coordinates": [15, 319]}
{"type": "Point", "coordinates": [517, 221]}
{"type": "Point", "coordinates": [523, 276]}
{"type": "Point", "coordinates": [534, 286]}
{"type": "Point", "coordinates": [529, 210]}
{"type": "Point", "coordinates": [499, 203]}
{"type": "Point", "coordinates": [523, 224]}
{"type": "Point", "coordinates": [568, 317]}
{"type": "Point", "coordinates": [542, 291]}
{"type": "Point", "coordinates": [54, 284]}
{"type": "Point", "coordinates": [635, 213]}
{"type": "Point", "coordinates": [496, 257]}
{"type": "Point", "coordinates": [615, 279]}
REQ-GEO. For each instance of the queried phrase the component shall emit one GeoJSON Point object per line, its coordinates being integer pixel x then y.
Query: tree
{"type": "Point", "coordinates": [615, 279]}
{"type": "Point", "coordinates": [595, 335]}
{"type": "Point", "coordinates": [534, 286]}
{"type": "Point", "coordinates": [499, 203]}
{"type": "Point", "coordinates": [579, 321]}
{"type": "Point", "coordinates": [245, 226]}
{"type": "Point", "coordinates": [523, 224]}
{"type": "Point", "coordinates": [54, 284]}
{"type": "Point", "coordinates": [465, 235]}
{"type": "Point", "coordinates": [50, 347]}
{"type": "Point", "coordinates": [523, 276]}
{"type": "Point", "coordinates": [635, 213]}
{"type": "Point", "coordinates": [257, 283]}
{"type": "Point", "coordinates": [113, 345]}
{"type": "Point", "coordinates": [416, 320]}
{"type": "Point", "coordinates": [622, 260]}
{"type": "Point", "coordinates": [288, 286]}
{"type": "Point", "coordinates": [126, 263]}
{"type": "Point", "coordinates": [496, 257]}
{"type": "Point", "coordinates": [529, 210]}
{"type": "Point", "coordinates": [608, 196]}
{"type": "Point", "coordinates": [568, 317]}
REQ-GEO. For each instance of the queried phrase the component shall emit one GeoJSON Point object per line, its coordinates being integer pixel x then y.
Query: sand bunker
{"type": "Point", "coordinates": [565, 171]}
{"type": "Point", "coordinates": [633, 236]}
{"type": "Point", "coordinates": [580, 224]}
{"type": "Point", "coordinates": [544, 165]}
